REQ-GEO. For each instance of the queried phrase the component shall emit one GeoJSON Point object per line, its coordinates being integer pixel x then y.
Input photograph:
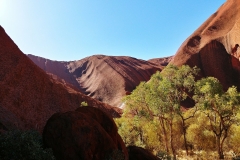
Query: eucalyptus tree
{"type": "Point", "coordinates": [220, 108]}
{"type": "Point", "coordinates": [168, 90]}
{"type": "Point", "coordinates": [160, 99]}
{"type": "Point", "coordinates": [136, 113]}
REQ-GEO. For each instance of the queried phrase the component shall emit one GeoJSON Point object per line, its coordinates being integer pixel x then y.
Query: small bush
{"type": "Point", "coordinates": [163, 155]}
{"type": "Point", "coordinates": [83, 104]}
{"type": "Point", "coordinates": [24, 145]}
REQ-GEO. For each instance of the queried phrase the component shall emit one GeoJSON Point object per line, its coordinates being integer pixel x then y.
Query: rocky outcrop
{"type": "Point", "coordinates": [107, 124]}
{"type": "Point", "coordinates": [87, 133]}
{"type": "Point", "coordinates": [105, 78]}
{"type": "Point", "coordinates": [163, 62]}
{"type": "Point", "coordinates": [210, 47]}
{"type": "Point", "coordinates": [28, 96]}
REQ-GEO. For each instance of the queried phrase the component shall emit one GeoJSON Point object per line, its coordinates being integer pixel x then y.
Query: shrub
{"type": "Point", "coordinates": [83, 104]}
{"type": "Point", "coordinates": [163, 155]}
{"type": "Point", "coordinates": [23, 145]}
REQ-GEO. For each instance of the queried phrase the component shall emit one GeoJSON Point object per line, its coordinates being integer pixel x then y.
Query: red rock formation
{"type": "Point", "coordinates": [105, 78]}
{"type": "Point", "coordinates": [28, 96]}
{"type": "Point", "coordinates": [107, 124]}
{"type": "Point", "coordinates": [57, 69]}
{"type": "Point", "coordinates": [161, 61]}
{"type": "Point", "coordinates": [210, 46]}
{"type": "Point", "coordinates": [235, 48]}
{"type": "Point", "coordinates": [87, 133]}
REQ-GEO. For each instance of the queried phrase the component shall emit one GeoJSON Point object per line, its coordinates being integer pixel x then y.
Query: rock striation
{"type": "Point", "coordinates": [28, 96]}
{"type": "Point", "coordinates": [105, 78]}
{"type": "Point", "coordinates": [213, 46]}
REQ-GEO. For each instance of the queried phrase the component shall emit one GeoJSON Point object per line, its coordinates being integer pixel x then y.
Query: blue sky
{"type": "Point", "coordinates": [74, 29]}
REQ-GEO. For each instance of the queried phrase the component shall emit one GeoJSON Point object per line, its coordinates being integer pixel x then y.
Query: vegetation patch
{"type": "Point", "coordinates": [24, 145]}
{"type": "Point", "coordinates": [155, 119]}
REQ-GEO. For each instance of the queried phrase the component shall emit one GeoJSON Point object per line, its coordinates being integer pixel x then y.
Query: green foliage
{"type": "Point", "coordinates": [23, 145]}
{"type": "Point", "coordinates": [170, 87]}
{"type": "Point", "coordinates": [153, 117]}
{"type": "Point", "coordinates": [209, 95]}
{"type": "Point", "coordinates": [156, 106]}
{"type": "Point", "coordinates": [219, 107]}
{"type": "Point", "coordinates": [139, 133]}
{"type": "Point", "coordinates": [199, 133]}
{"type": "Point", "coordinates": [233, 141]}
{"type": "Point", "coordinates": [136, 102]}
{"type": "Point", "coordinates": [127, 130]}
{"type": "Point", "coordinates": [83, 104]}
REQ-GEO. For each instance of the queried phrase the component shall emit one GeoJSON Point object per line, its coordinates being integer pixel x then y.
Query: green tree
{"type": "Point", "coordinates": [199, 133]}
{"type": "Point", "coordinates": [219, 107]}
{"type": "Point", "coordinates": [161, 99]}
{"type": "Point", "coordinates": [136, 102]}
{"type": "Point", "coordinates": [168, 90]}
{"type": "Point", "coordinates": [144, 130]}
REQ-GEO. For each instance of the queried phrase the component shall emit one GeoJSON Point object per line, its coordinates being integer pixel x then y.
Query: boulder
{"type": "Point", "coordinates": [107, 124]}
{"type": "Point", "coordinates": [87, 133]}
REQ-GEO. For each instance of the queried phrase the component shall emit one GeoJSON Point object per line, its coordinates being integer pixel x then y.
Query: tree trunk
{"type": "Point", "coordinates": [221, 142]}
{"type": "Point", "coordinates": [171, 142]}
{"type": "Point", "coordinates": [220, 149]}
{"type": "Point", "coordinates": [164, 134]}
{"type": "Point", "coordinates": [184, 135]}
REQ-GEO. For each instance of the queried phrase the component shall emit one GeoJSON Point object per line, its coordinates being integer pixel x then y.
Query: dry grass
{"type": "Point", "coordinates": [203, 155]}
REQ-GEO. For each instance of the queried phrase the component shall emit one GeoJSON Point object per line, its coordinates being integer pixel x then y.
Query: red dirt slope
{"type": "Point", "coordinates": [28, 96]}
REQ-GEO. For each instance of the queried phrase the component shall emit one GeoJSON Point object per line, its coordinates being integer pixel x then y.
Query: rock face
{"type": "Point", "coordinates": [161, 61]}
{"type": "Point", "coordinates": [105, 78]}
{"type": "Point", "coordinates": [28, 96]}
{"type": "Point", "coordinates": [56, 69]}
{"type": "Point", "coordinates": [87, 133]}
{"type": "Point", "coordinates": [212, 47]}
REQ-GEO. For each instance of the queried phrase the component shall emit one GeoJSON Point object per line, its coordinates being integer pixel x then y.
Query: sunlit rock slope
{"type": "Point", "coordinates": [212, 46]}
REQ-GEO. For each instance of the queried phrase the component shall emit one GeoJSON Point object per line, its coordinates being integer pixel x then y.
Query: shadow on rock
{"type": "Point", "coordinates": [87, 133]}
